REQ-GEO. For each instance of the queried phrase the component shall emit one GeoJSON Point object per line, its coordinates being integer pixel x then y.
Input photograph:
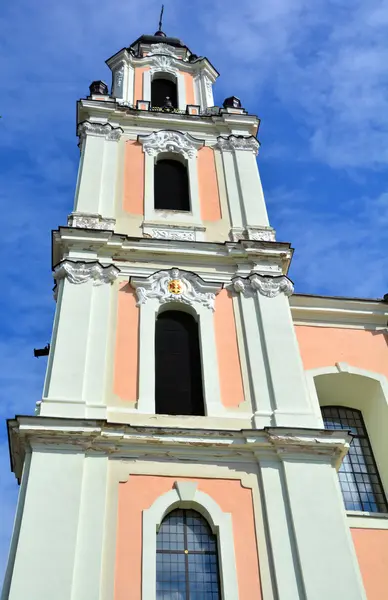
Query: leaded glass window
{"type": "Point", "coordinates": [359, 479]}
{"type": "Point", "coordinates": [186, 558]}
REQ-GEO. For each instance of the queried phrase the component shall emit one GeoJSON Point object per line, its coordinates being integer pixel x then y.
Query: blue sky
{"type": "Point", "coordinates": [316, 74]}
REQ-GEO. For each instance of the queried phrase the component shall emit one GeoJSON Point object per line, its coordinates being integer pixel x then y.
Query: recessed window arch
{"type": "Point", "coordinates": [164, 86]}
{"type": "Point", "coordinates": [358, 475]}
{"type": "Point", "coordinates": [178, 370]}
{"type": "Point", "coordinates": [186, 558]}
{"type": "Point", "coordinates": [171, 184]}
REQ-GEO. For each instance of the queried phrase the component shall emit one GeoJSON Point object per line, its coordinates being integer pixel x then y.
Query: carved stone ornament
{"type": "Point", "coordinates": [175, 286]}
{"type": "Point", "coordinates": [88, 221]}
{"type": "Point", "coordinates": [238, 142]}
{"type": "Point", "coordinates": [162, 49]}
{"type": "Point", "coordinates": [162, 63]}
{"type": "Point", "coordinates": [174, 234]}
{"type": "Point", "coordinates": [266, 286]}
{"type": "Point", "coordinates": [118, 81]}
{"type": "Point", "coordinates": [81, 272]}
{"type": "Point", "coordinates": [256, 234]}
{"type": "Point", "coordinates": [170, 141]}
{"type": "Point", "coordinates": [105, 130]}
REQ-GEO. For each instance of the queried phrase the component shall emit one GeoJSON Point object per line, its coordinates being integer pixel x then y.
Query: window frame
{"type": "Point", "coordinates": [165, 156]}
{"type": "Point", "coordinates": [186, 495]}
{"type": "Point", "coordinates": [378, 486]}
{"type": "Point", "coordinates": [186, 551]}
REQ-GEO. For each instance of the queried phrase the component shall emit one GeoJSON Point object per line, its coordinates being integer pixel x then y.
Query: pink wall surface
{"type": "Point", "coordinates": [139, 493]}
{"type": "Point", "coordinates": [372, 553]}
{"type": "Point", "coordinates": [208, 186]}
{"type": "Point", "coordinates": [138, 84]}
{"type": "Point", "coordinates": [189, 88]}
{"type": "Point", "coordinates": [229, 368]}
{"type": "Point", "coordinates": [325, 346]}
{"type": "Point", "coordinates": [133, 200]}
{"type": "Point", "coordinates": [127, 340]}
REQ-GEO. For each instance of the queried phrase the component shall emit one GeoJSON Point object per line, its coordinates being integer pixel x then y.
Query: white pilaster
{"type": "Point", "coordinates": [257, 363]}
{"type": "Point", "coordinates": [211, 384]}
{"type": "Point", "coordinates": [252, 197]}
{"type": "Point", "coordinates": [97, 347]}
{"type": "Point", "coordinates": [292, 406]}
{"type": "Point", "coordinates": [148, 312]}
{"type": "Point", "coordinates": [232, 190]}
{"type": "Point", "coordinates": [280, 532]}
{"type": "Point", "coordinates": [129, 83]}
{"type": "Point", "coordinates": [44, 560]}
{"type": "Point", "coordinates": [107, 196]}
{"type": "Point", "coordinates": [66, 379]}
{"type": "Point", "coordinates": [89, 178]}
{"type": "Point", "coordinates": [327, 557]}
{"type": "Point", "coordinates": [146, 86]}
{"type": "Point", "coordinates": [89, 547]}
{"type": "Point", "coordinates": [181, 91]}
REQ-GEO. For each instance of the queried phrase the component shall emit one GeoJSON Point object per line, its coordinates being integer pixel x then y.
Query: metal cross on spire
{"type": "Point", "coordinates": [161, 18]}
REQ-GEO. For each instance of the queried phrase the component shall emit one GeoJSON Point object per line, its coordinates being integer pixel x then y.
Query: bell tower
{"type": "Point", "coordinates": [175, 452]}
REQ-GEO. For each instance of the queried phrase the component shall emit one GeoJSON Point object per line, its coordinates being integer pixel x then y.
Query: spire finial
{"type": "Point", "coordinates": [161, 18]}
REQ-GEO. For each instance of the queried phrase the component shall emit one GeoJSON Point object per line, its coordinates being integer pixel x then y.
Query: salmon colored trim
{"type": "Point", "coordinates": [127, 343]}
{"type": "Point", "coordinates": [138, 84]}
{"type": "Point", "coordinates": [372, 552]}
{"type": "Point", "coordinates": [208, 185]}
{"type": "Point", "coordinates": [189, 87]}
{"type": "Point", "coordinates": [133, 200]}
{"type": "Point", "coordinates": [141, 491]}
{"type": "Point", "coordinates": [325, 346]}
{"type": "Point", "coordinates": [229, 368]}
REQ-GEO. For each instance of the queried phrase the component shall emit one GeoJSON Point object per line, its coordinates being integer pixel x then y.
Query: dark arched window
{"type": "Point", "coordinates": [161, 89]}
{"type": "Point", "coordinates": [359, 479]}
{"type": "Point", "coordinates": [178, 374]}
{"type": "Point", "coordinates": [171, 185]}
{"type": "Point", "coordinates": [186, 558]}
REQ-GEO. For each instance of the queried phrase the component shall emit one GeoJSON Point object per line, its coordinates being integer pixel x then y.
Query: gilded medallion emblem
{"type": "Point", "coordinates": [175, 286]}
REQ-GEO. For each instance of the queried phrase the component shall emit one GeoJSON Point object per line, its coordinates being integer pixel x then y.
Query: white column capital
{"type": "Point", "coordinates": [232, 143]}
{"type": "Point", "coordinates": [81, 272]}
{"type": "Point", "coordinates": [266, 285]}
{"type": "Point", "coordinates": [105, 130]}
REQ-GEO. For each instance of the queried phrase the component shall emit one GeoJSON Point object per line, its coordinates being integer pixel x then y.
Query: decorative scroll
{"type": "Point", "coordinates": [238, 142]}
{"type": "Point", "coordinates": [81, 272]}
{"type": "Point", "coordinates": [266, 286]}
{"type": "Point", "coordinates": [170, 141]}
{"type": "Point", "coordinates": [175, 286]}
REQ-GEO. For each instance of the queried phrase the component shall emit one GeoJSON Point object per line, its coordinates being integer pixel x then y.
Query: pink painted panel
{"type": "Point", "coordinates": [208, 185]}
{"type": "Point", "coordinates": [127, 343]}
{"type": "Point", "coordinates": [229, 368]}
{"type": "Point", "coordinates": [372, 553]}
{"type": "Point", "coordinates": [189, 88]}
{"type": "Point", "coordinates": [139, 493]}
{"type": "Point", "coordinates": [138, 84]}
{"type": "Point", "coordinates": [133, 200]}
{"type": "Point", "coordinates": [324, 346]}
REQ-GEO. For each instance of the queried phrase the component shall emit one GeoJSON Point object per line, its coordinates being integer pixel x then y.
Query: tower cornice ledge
{"type": "Point", "coordinates": [117, 440]}
{"type": "Point", "coordinates": [262, 256]}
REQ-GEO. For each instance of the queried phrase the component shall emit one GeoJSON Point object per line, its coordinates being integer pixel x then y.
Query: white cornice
{"type": "Point", "coordinates": [267, 258]}
{"type": "Point", "coordinates": [125, 440]}
{"type": "Point", "coordinates": [324, 311]}
{"type": "Point", "coordinates": [224, 124]}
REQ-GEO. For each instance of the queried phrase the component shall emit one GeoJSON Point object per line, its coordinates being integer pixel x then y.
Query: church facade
{"type": "Point", "coordinates": [204, 433]}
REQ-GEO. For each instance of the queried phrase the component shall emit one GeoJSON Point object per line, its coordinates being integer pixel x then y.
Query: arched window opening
{"type": "Point", "coordinates": [358, 475]}
{"type": "Point", "coordinates": [171, 185]}
{"type": "Point", "coordinates": [178, 373]}
{"type": "Point", "coordinates": [186, 558]}
{"type": "Point", "coordinates": [161, 89]}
